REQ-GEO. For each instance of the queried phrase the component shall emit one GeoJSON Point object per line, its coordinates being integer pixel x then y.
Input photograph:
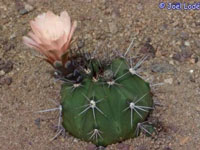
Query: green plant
{"type": "Point", "coordinates": [102, 101]}
{"type": "Point", "coordinates": [107, 104]}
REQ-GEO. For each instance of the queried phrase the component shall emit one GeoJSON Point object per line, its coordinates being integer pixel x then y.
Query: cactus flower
{"type": "Point", "coordinates": [51, 35]}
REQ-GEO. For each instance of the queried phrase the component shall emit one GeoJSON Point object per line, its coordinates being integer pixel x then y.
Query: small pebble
{"type": "Point", "coordinates": [191, 71]}
{"type": "Point", "coordinates": [186, 43]}
{"type": "Point", "coordinates": [183, 55]}
{"type": "Point", "coordinates": [80, 44]}
{"type": "Point", "coordinates": [163, 68]}
{"type": "Point", "coordinates": [122, 146]}
{"type": "Point", "coordinates": [169, 81]}
{"type": "Point", "coordinates": [197, 42]}
{"type": "Point", "coordinates": [91, 147]}
{"type": "Point", "coordinates": [198, 109]}
{"type": "Point", "coordinates": [100, 148]}
{"type": "Point", "coordinates": [12, 36]}
{"type": "Point", "coordinates": [2, 73]}
{"type": "Point", "coordinates": [75, 140]}
{"type": "Point", "coordinates": [37, 122]}
{"type": "Point", "coordinates": [139, 6]}
{"type": "Point", "coordinates": [184, 140]}
{"type": "Point", "coordinates": [112, 27]}
{"type": "Point", "coordinates": [32, 2]}
{"type": "Point", "coordinates": [148, 49]}
{"type": "Point", "coordinates": [142, 147]}
{"type": "Point", "coordinates": [86, 1]}
{"type": "Point", "coordinates": [8, 47]}
{"type": "Point", "coordinates": [198, 63]}
{"type": "Point", "coordinates": [23, 11]}
{"type": "Point", "coordinates": [6, 81]}
{"type": "Point", "coordinates": [28, 7]}
{"type": "Point", "coordinates": [163, 27]}
{"type": "Point", "coordinates": [184, 35]}
{"type": "Point", "coordinates": [7, 67]}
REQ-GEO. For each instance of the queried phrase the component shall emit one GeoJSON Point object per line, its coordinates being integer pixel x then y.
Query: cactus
{"type": "Point", "coordinates": [106, 106]}
{"type": "Point", "coordinates": [101, 101]}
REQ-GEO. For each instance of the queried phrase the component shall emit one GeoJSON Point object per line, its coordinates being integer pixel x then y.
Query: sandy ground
{"type": "Point", "coordinates": [26, 86]}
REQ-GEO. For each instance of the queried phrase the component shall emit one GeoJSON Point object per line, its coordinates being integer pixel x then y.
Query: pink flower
{"type": "Point", "coordinates": [51, 35]}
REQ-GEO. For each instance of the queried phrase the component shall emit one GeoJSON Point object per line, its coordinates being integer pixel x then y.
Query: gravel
{"type": "Point", "coordinates": [105, 25]}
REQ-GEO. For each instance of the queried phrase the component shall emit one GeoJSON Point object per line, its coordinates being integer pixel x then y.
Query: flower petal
{"type": "Point", "coordinates": [34, 37]}
{"type": "Point", "coordinates": [66, 45]}
{"type": "Point", "coordinates": [30, 43]}
{"type": "Point", "coordinates": [37, 28]}
{"type": "Point", "coordinates": [64, 17]}
{"type": "Point", "coordinates": [51, 34]}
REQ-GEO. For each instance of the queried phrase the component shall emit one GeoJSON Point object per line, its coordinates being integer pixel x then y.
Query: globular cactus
{"type": "Point", "coordinates": [101, 101]}
{"type": "Point", "coordinates": [107, 104]}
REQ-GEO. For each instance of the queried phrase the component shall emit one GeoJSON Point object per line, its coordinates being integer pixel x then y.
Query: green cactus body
{"type": "Point", "coordinates": [106, 111]}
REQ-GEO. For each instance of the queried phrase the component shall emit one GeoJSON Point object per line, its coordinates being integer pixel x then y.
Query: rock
{"type": "Point", "coordinates": [148, 49]}
{"type": "Point", "coordinates": [186, 53]}
{"type": "Point", "coordinates": [113, 27]}
{"type": "Point", "coordinates": [173, 32]}
{"type": "Point", "coordinates": [32, 2]}
{"type": "Point", "coordinates": [2, 64]}
{"type": "Point", "coordinates": [2, 73]}
{"type": "Point", "coordinates": [197, 23]}
{"type": "Point", "coordinates": [6, 81]}
{"type": "Point", "coordinates": [91, 147]}
{"type": "Point", "coordinates": [163, 68]}
{"type": "Point", "coordinates": [192, 79]}
{"type": "Point", "coordinates": [197, 42]}
{"type": "Point", "coordinates": [163, 27]}
{"type": "Point", "coordinates": [26, 9]}
{"type": "Point", "coordinates": [139, 6]}
{"type": "Point", "coordinates": [87, 1]}
{"type": "Point", "coordinates": [37, 122]}
{"type": "Point", "coordinates": [8, 47]}
{"type": "Point", "coordinates": [116, 12]}
{"type": "Point", "coordinates": [19, 5]}
{"type": "Point", "coordinates": [23, 11]}
{"type": "Point", "coordinates": [8, 66]}
{"type": "Point", "coordinates": [198, 64]}
{"type": "Point", "coordinates": [184, 35]}
{"type": "Point", "coordinates": [183, 55]}
{"type": "Point", "coordinates": [80, 44]}
{"type": "Point", "coordinates": [12, 36]}
{"type": "Point", "coordinates": [169, 81]}
{"type": "Point", "coordinates": [1, 27]}
{"type": "Point", "coordinates": [184, 140]}
{"type": "Point", "coordinates": [142, 147]}
{"type": "Point", "coordinates": [198, 109]}
{"type": "Point", "coordinates": [194, 60]}
{"type": "Point", "coordinates": [100, 148]}
{"type": "Point", "coordinates": [191, 71]}
{"type": "Point", "coordinates": [187, 43]}
{"type": "Point", "coordinates": [122, 146]}
{"type": "Point", "coordinates": [75, 140]}
{"type": "Point", "coordinates": [177, 57]}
